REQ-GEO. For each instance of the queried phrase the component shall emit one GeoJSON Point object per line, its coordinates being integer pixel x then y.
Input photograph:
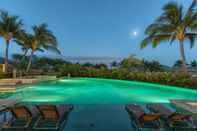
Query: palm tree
{"type": "Point", "coordinates": [41, 39]}
{"type": "Point", "coordinates": [193, 64]}
{"type": "Point", "coordinates": [24, 41]}
{"type": "Point", "coordinates": [178, 64]}
{"type": "Point", "coordinates": [130, 62]}
{"type": "Point", "coordinates": [10, 28]}
{"type": "Point", "coordinates": [173, 24]}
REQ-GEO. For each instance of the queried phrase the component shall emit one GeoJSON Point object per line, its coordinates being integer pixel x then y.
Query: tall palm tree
{"type": "Point", "coordinates": [24, 41]}
{"type": "Point", "coordinates": [41, 39]}
{"type": "Point", "coordinates": [173, 24]}
{"type": "Point", "coordinates": [10, 28]}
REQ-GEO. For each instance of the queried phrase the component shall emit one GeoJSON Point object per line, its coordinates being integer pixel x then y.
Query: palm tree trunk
{"type": "Point", "coordinates": [6, 57]}
{"type": "Point", "coordinates": [183, 59]}
{"type": "Point", "coordinates": [23, 57]}
{"type": "Point", "coordinates": [30, 61]}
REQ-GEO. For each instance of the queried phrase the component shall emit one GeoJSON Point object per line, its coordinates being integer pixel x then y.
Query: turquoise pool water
{"type": "Point", "coordinates": [100, 91]}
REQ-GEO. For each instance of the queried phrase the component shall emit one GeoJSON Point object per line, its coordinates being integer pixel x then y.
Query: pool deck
{"type": "Point", "coordinates": [10, 85]}
{"type": "Point", "coordinates": [98, 118]}
{"type": "Point", "coordinates": [188, 105]}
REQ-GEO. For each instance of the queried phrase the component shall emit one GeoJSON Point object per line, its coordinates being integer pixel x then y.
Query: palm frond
{"type": "Point", "coordinates": [39, 49]}
{"type": "Point", "coordinates": [44, 35]}
{"type": "Point", "coordinates": [10, 25]}
{"type": "Point", "coordinates": [190, 17]}
{"type": "Point", "coordinates": [172, 38]}
{"type": "Point", "coordinates": [155, 40]}
{"type": "Point", "coordinates": [191, 37]}
{"type": "Point", "coordinates": [156, 28]}
{"type": "Point", "coordinates": [145, 42]}
{"type": "Point", "coordinates": [172, 13]}
{"type": "Point", "coordinates": [52, 48]}
{"type": "Point", "coordinates": [192, 6]}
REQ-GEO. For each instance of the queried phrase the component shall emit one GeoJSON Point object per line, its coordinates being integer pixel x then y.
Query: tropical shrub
{"type": "Point", "coordinates": [166, 78]}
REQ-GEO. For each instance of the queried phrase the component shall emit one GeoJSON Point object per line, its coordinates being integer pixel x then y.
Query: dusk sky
{"type": "Point", "coordinates": [97, 27]}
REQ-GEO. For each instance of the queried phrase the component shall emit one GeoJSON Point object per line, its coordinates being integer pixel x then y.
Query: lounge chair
{"type": "Point", "coordinates": [21, 118]}
{"type": "Point", "coordinates": [5, 104]}
{"type": "Point", "coordinates": [143, 120]}
{"type": "Point", "coordinates": [52, 117]}
{"type": "Point", "coordinates": [172, 119]}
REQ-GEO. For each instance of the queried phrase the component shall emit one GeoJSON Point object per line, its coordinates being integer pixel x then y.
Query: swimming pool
{"type": "Point", "coordinates": [100, 91]}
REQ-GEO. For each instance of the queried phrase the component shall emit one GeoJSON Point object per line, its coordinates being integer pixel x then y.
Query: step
{"type": "Point", "coordinates": [7, 84]}
{"type": "Point", "coordinates": [7, 88]}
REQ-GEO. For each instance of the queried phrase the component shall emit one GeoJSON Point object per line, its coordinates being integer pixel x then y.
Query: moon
{"type": "Point", "coordinates": [135, 33]}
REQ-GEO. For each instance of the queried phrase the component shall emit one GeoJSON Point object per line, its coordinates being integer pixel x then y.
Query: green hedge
{"type": "Point", "coordinates": [166, 78]}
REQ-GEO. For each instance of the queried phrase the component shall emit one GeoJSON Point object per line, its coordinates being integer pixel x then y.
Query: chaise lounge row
{"type": "Point", "coordinates": [50, 117]}
{"type": "Point", "coordinates": [159, 117]}
{"type": "Point", "coordinates": [39, 117]}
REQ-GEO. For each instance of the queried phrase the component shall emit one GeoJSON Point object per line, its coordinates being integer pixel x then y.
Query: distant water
{"type": "Point", "coordinates": [93, 60]}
